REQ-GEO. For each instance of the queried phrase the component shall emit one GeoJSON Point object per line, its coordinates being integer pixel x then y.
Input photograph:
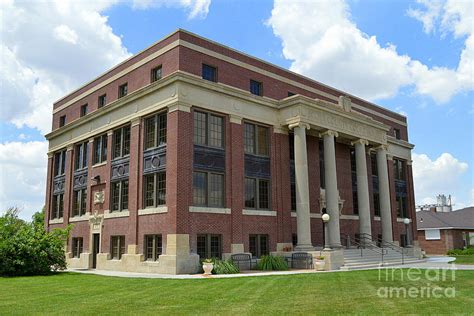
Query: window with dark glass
{"type": "Point", "coordinates": [122, 90]}
{"type": "Point", "coordinates": [155, 130]}
{"type": "Point", "coordinates": [155, 189]}
{"type": "Point", "coordinates": [293, 196]}
{"type": "Point", "coordinates": [81, 154]}
{"type": "Point", "coordinates": [119, 196]}
{"type": "Point", "coordinates": [79, 202]}
{"type": "Point", "coordinates": [294, 239]}
{"type": "Point", "coordinates": [402, 210]}
{"type": "Point", "coordinates": [376, 204]}
{"type": "Point", "coordinates": [257, 193]}
{"type": "Point", "coordinates": [396, 132]}
{"type": "Point", "coordinates": [322, 179]}
{"type": "Point", "coordinates": [77, 244]}
{"type": "Point", "coordinates": [290, 94]}
{"type": "Point", "coordinates": [209, 246]}
{"type": "Point", "coordinates": [209, 73]}
{"type": "Point", "coordinates": [83, 110]}
{"type": "Point", "coordinates": [208, 189]}
{"type": "Point", "coordinates": [153, 247]}
{"type": "Point", "coordinates": [102, 101]}
{"type": "Point", "coordinates": [208, 129]}
{"type": "Point", "coordinates": [355, 200]}
{"type": "Point", "coordinates": [256, 139]}
{"type": "Point", "coordinates": [373, 164]}
{"type": "Point", "coordinates": [117, 245]}
{"type": "Point", "coordinates": [256, 87]}
{"type": "Point", "coordinates": [258, 245]}
{"type": "Point", "coordinates": [62, 120]}
{"type": "Point", "coordinates": [100, 149]}
{"type": "Point", "coordinates": [156, 73]}
{"type": "Point", "coordinates": [399, 169]}
{"type": "Point", "coordinates": [60, 163]}
{"type": "Point", "coordinates": [57, 210]}
{"type": "Point", "coordinates": [121, 142]}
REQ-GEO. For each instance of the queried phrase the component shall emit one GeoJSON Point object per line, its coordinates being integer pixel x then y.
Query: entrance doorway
{"type": "Point", "coordinates": [95, 249]}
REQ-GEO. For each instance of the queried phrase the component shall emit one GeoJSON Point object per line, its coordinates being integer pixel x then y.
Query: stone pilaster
{"type": "Point", "coordinates": [362, 187]}
{"type": "Point", "coordinates": [384, 193]}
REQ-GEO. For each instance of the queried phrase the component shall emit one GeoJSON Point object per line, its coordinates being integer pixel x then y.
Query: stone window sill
{"type": "Point", "coordinates": [56, 221]}
{"type": "Point", "coordinates": [311, 215]}
{"type": "Point", "coordinates": [115, 214]}
{"type": "Point", "coordinates": [259, 212]}
{"type": "Point", "coordinates": [211, 210]}
{"type": "Point", "coordinates": [84, 217]}
{"type": "Point", "coordinates": [153, 210]}
{"type": "Point", "coordinates": [100, 164]}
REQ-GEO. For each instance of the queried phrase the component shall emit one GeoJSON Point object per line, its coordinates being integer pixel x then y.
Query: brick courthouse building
{"type": "Point", "coordinates": [191, 148]}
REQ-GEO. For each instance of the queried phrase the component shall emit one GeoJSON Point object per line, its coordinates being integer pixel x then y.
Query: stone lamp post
{"type": "Point", "coordinates": [406, 221]}
{"type": "Point", "coordinates": [326, 219]}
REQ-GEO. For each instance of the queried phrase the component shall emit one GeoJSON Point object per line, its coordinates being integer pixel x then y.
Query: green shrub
{"type": "Point", "coordinates": [27, 248]}
{"type": "Point", "coordinates": [225, 267]}
{"type": "Point", "coordinates": [469, 251]}
{"type": "Point", "coordinates": [461, 252]}
{"type": "Point", "coordinates": [272, 263]}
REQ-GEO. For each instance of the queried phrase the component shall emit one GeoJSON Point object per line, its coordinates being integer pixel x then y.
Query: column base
{"type": "Point", "coordinates": [304, 248]}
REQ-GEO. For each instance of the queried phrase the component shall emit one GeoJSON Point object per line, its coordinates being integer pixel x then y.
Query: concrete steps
{"type": "Point", "coordinates": [371, 259]}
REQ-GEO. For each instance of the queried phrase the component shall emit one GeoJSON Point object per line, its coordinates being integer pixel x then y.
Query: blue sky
{"type": "Point", "coordinates": [411, 57]}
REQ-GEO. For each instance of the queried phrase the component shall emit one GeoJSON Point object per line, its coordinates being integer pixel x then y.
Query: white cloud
{"type": "Point", "coordinates": [63, 32]}
{"type": "Point", "coordinates": [23, 176]}
{"type": "Point", "coordinates": [439, 176]}
{"type": "Point", "coordinates": [429, 16]}
{"type": "Point", "coordinates": [195, 8]}
{"type": "Point", "coordinates": [324, 43]}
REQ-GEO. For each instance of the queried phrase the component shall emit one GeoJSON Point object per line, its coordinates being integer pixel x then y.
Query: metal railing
{"type": "Point", "coordinates": [363, 243]}
{"type": "Point", "coordinates": [387, 245]}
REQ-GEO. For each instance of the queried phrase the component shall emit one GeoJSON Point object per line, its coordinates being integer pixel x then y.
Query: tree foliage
{"type": "Point", "coordinates": [27, 248]}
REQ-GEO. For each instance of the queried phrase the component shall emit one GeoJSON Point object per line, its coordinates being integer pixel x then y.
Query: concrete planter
{"type": "Point", "coordinates": [207, 267]}
{"type": "Point", "coordinates": [319, 265]}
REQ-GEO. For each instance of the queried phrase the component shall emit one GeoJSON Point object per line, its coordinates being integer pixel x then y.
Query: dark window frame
{"type": "Point", "coordinates": [397, 133]}
{"type": "Point", "coordinates": [399, 172]}
{"type": "Point", "coordinates": [257, 250]}
{"type": "Point", "coordinates": [60, 163]}
{"type": "Point", "coordinates": [84, 110]}
{"type": "Point", "coordinates": [57, 208]}
{"type": "Point", "coordinates": [157, 124]}
{"type": "Point", "coordinates": [208, 251]}
{"type": "Point", "coordinates": [102, 100]}
{"type": "Point", "coordinates": [257, 194]}
{"type": "Point", "coordinates": [77, 246]}
{"type": "Point", "coordinates": [212, 71]}
{"type": "Point", "coordinates": [122, 203]}
{"type": "Point", "coordinates": [256, 87]}
{"type": "Point", "coordinates": [79, 202]}
{"type": "Point", "coordinates": [117, 247]}
{"type": "Point", "coordinates": [158, 178]}
{"type": "Point", "coordinates": [254, 149]}
{"type": "Point", "coordinates": [123, 90]}
{"type": "Point", "coordinates": [156, 73]}
{"type": "Point", "coordinates": [100, 149]}
{"type": "Point", "coordinates": [355, 198]}
{"type": "Point", "coordinates": [62, 120]}
{"type": "Point", "coordinates": [402, 206]}
{"type": "Point", "coordinates": [153, 251]}
{"type": "Point", "coordinates": [208, 116]}
{"type": "Point", "coordinates": [208, 175]}
{"type": "Point", "coordinates": [81, 156]}
{"type": "Point", "coordinates": [124, 142]}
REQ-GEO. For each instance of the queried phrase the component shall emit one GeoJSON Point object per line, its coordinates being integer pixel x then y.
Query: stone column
{"type": "Point", "coordinates": [384, 193]}
{"type": "Point", "coordinates": [362, 187]}
{"type": "Point", "coordinates": [332, 194]}
{"type": "Point", "coordinates": [303, 220]}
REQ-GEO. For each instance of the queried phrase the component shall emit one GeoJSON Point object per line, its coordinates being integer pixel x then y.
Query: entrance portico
{"type": "Point", "coordinates": [304, 115]}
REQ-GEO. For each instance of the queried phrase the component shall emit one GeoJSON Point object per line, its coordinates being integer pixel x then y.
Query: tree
{"type": "Point", "coordinates": [27, 248]}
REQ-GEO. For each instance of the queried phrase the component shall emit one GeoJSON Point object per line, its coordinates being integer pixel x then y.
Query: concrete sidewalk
{"type": "Point", "coordinates": [430, 263]}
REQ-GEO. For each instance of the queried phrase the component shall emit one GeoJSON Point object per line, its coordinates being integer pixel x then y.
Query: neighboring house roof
{"type": "Point", "coordinates": [461, 219]}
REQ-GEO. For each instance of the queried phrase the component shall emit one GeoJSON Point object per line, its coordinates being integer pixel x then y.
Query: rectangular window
{"type": "Point", "coordinates": [57, 209]}
{"type": "Point", "coordinates": [123, 90]}
{"type": "Point", "coordinates": [256, 87]}
{"type": "Point", "coordinates": [62, 120]}
{"type": "Point", "coordinates": [155, 189]}
{"type": "Point", "coordinates": [60, 163]}
{"type": "Point", "coordinates": [82, 154]}
{"type": "Point", "coordinates": [373, 164]}
{"type": "Point", "coordinates": [376, 204]}
{"type": "Point", "coordinates": [355, 200]}
{"type": "Point", "coordinates": [83, 110]}
{"type": "Point", "coordinates": [77, 246]}
{"type": "Point", "coordinates": [117, 246]}
{"type": "Point", "coordinates": [79, 203]}
{"type": "Point", "coordinates": [208, 189]}
{"type": "Point", "coordinates": [209, 73]}
{"type": "Point", "coordinates": [256, 139]}
{"type": "Point", "coordinates": [396, 132]}
{"type": "Point", "coordinates": [153, 247]}
{"type": "Point", "coordinates": [258, 245]}
{"type": "Point", "coordinates": [399, 169]}
{"type": "Point", "coordinates": [257, 193]}
{"type": "Point", "coordinates": [102, 101]}
{"type": "Point", "coordinates": [155, 130]}
{"type": "Point", "coordinates": [119, 196]}
{"type": "Point", "coordinates": [100, 149]}
{"type": "Point", "coordinates": [208, 129]}
{"type": "Point", "coordinates": [209, 246]}
{"type": "Point", "coordinates": [322, 179]}
{"type": "Point", "coordinates": [156, 73]}
{"type": "Point", "coordinates": [432, 234]}
{"type": "Point", "coordinates": [290, 94]}
{"type": "Point", "coordinates": [293, 196]}
{"type": "Point", "coordinates": [121, 142]}
{"type": "Point", "coordinates": [401, 206]}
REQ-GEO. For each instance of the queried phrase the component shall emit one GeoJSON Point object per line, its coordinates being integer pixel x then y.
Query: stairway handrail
{"type": "Point", "coordinates": [388, 244]}
{"type": "Point", "coordinates": [361, 246]}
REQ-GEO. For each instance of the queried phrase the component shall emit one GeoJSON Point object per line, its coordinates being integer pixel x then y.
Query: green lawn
{"type": "Point", "coordinates": [463, 259]}
{"type": "Point", "coordinates": [346, 292]}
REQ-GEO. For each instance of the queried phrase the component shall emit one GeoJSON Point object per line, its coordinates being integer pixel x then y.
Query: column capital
{"type": "Point", "coordinates": [50, 154]}
{"type": "Point", "coordinates": [299, 124]}
{"type": "Point", "coordinates": [360, 141]}
{"type": "Point", "coordinates": [409, 162]}
{"type": "Point", "coordinates": [235, 119]}
{"type": "Point", "coordinates": [179, 106]}
{"type": "Point", "coordinates": [91, 140]}
{"type": "Point", "coordinates": [330, 133]}
{"type": "Point", "coordinates": [389, 157]}
{"type": "Point", "coordinates": [110, 133]}
{"type": "Point", "coordinates": [280, 129]}
{"type": "Point", "coordinates": [70, 148]}
{"type": "Point", "coordinates": [381, 147]}
{"type": "Point", "coordinates": [136, 121]}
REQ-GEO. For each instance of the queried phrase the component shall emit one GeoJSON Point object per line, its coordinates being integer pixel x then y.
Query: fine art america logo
{"type": "Point", "coordinates": [417, 283]}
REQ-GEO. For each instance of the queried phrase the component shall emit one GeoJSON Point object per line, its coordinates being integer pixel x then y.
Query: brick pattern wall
{"type": "Point", "coordinates": [450, 239]}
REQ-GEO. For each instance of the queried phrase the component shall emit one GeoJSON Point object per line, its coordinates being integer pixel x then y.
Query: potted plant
{"type": "Point", "coordinates": [320, 263]}
{"type": "Point", "coordinates": [207, 266]}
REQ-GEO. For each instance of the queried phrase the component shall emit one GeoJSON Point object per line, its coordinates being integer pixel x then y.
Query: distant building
{"type": "Point", "coordinates": [441, 231]}
{"type": "Point", "coordinates": [443, 204]}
